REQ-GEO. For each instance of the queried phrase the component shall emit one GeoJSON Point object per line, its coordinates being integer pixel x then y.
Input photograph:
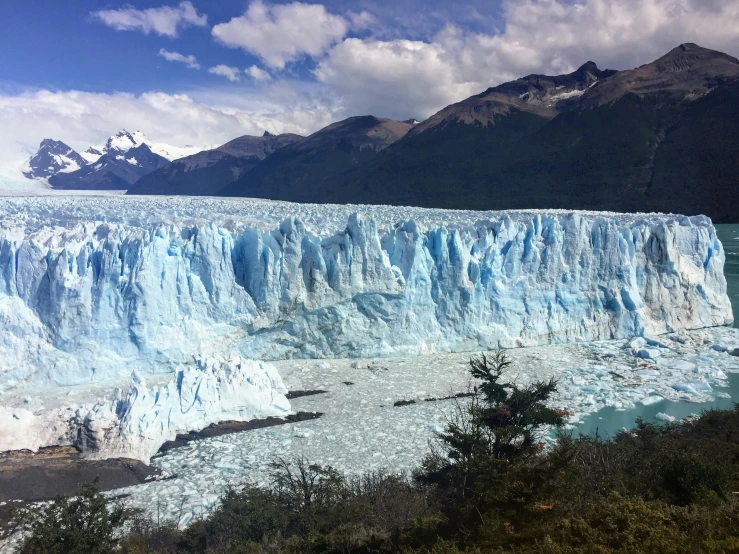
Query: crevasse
{"type": "Point", "coordinates": [92, 300]}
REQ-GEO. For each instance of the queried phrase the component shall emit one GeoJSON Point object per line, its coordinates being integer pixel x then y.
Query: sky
{"type": "Point", "coordinates": [201, 73]}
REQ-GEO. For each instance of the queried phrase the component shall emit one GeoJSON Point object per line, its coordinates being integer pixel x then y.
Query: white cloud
{"type": "Point", "coordinates": [231, 73]}
{"type": "Point", "coordinates": [257, 73]}
{"type": "Point", "coordinates": [362, 20]}
{"type": "Point", "coordinates": [554, 36]}
{"type": "Point", "coordinates": [165, 20]}
{"type": "Point", "coordinates": [202, 117]}
{"type": "Point", "coordinates": [398, 79]}
{"type": "Point", "coordinates": [401, 78]}
{"type": "Point", "coordinates": [189, 61]}
{"type": "Point", "coordinates": [283, 33]}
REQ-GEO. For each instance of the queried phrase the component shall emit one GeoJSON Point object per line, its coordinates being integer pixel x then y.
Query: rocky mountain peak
{"type": "Point", "coordinates": [689, 56]}
{"type": "Point", "coordinates": [362, 131]}
{"type": "Point", "coordinates": [588, 67]}
{"type": "Point", "coordinates": [53, 156]}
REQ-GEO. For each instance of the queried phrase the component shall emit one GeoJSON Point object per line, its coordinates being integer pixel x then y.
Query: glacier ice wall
{"type": "Point", "coordinates": [89, 299]}
{"type": "Point", "coordinates": [136, 423]}
{"type": "Point", "coordinates": [214, 390]}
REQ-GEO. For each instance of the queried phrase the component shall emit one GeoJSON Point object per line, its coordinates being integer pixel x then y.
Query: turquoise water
{"type": "Point", "coordinates": [729, 237]}
{"type": "Point", "coordinates": [609, 421]}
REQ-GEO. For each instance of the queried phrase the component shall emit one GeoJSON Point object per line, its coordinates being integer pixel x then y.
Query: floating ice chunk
{"type": "Point", "coordinates": [648, 373]}
{"type": "Point", "coordinates": [437, 428]}
{"type": "Point", "coordinates": [655, 342]}
{"type": "Point", "coordinates": [665, 417]}
{"type": "Point", "coordinates": [589, 400]}
{"type": "Point", "coordinates": [649, 353]}
{"type": "Point", "coordinates": [649, 400]}
{"type": "Point", "coordinates": [722, 394]}
{"type": "Point", "coordinates": [680, 365]}
{"type": "Point", "coordinates": [636, 344]}
{"type": "Point", "coordinates": [693, 387]}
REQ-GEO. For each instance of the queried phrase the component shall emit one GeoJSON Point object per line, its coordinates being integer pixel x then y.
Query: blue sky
{"type": "Point", "coordinates": [60, 45]}
{"type": "Point", "coordinates": [201, 73]}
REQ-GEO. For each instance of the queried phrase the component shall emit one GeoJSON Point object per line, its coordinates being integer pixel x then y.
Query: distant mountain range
{"type": "Point", "coordinates": [208, 172]}
{"type": "Point", "coordinates": [308, 169]}
{"type": "Point", "coordinates": [115, 165]}
{"type": "Point", "coordinates": [661, 137]}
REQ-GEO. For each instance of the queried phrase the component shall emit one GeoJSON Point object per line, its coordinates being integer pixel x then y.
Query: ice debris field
{"type": "Point", "coordinates": [362, 429]}
{"type": "Point", "coordinates": [124, 321]}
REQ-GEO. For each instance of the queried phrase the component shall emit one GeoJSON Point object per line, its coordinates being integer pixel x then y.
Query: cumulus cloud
{"type": "Point", "coordinates": [165, 20]}
{"type": "Point", "coordinates": [398, 78]}
{"type": "Point", "coordinates": [231, 73]}
{"type": "Point", "coordinates": [189, 61]}
{"type": "Point", "coordinates": [557, 36]}
{"type": "Point", "coordinates": [283, 33]}
{"type": "Point", "coordinates": [202, 117]}
{"type": "Point", "coordinates": [401, 78]}
{"type": "Point", "coordinates": [362, 20]}
{"type": "Point", "coordinates": [257, 73]}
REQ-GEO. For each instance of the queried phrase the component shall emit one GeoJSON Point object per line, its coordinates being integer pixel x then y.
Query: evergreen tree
{"type": "Point", "coordinates": [488, 463]}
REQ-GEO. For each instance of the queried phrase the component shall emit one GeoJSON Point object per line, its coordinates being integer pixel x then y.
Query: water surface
{"type": "Point", "coordinates": [609, 421]}
{"type": "Point", "coordinates": [728, 234]}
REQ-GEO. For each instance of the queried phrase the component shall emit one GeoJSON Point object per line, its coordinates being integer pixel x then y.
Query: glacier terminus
{"type": "Point", "coordinates": [85, 298]}
{"type": "Point", "coordinates": [95, 289]}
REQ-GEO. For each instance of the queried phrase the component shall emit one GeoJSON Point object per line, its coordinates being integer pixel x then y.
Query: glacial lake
{"type": "Point", "coordinates": [609, 421]}
{"type": "Point", "coordinates": [729, 237]}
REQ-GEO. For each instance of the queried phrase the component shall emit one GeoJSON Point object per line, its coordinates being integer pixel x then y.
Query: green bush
{"type": "Point", "coordinates": [80, 525]}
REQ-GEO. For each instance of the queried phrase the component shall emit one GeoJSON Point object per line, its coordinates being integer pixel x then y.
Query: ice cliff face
{"type": "Point", "coordinates": [134, 424]}
{"type": "Point", "coordinates": [91, 299]}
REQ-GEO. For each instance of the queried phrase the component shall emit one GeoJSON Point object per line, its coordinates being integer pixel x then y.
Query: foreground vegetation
{"type": "Point", "coordinates": [488, 486]}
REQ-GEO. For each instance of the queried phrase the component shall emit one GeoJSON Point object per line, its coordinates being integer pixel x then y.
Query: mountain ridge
{"type": "Point", "coordinates": [207, 172]}
{"type": "Point", "coordinates": [591, 139]}
{"type": "Point", "coordinates": [303, 168]}
{"type": "Point", "coordinates": [596, 139]}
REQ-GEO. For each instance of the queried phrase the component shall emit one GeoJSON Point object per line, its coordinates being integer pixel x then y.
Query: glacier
{"type": "Point", "coordinates": [136, 423]}
{"type": "Point", "coordinates": [92, 289]}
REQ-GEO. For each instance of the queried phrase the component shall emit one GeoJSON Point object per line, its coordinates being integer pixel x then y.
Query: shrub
{"type": "Point", "coordinates": [489, 458]}
{"type": "Point", "coordinates": [80, 525]}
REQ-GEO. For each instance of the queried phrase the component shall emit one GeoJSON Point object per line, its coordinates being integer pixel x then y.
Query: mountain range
{"type": "Point", "coordinates": [660, 137]}
{"type": "Point", "coordinates": [121, 161]}
{"type": "Point", "coordinates": [209, 171]}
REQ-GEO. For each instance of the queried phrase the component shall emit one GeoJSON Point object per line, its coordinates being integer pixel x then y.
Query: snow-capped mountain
{"type": "Point", "coordinates": [123, 141]}
{"type": "Point", "coordinates": [120, 161]}
{"type": "Point", "coordinates": [53, 157]}
{"type": "Point", "coordinates": [117, 169]}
